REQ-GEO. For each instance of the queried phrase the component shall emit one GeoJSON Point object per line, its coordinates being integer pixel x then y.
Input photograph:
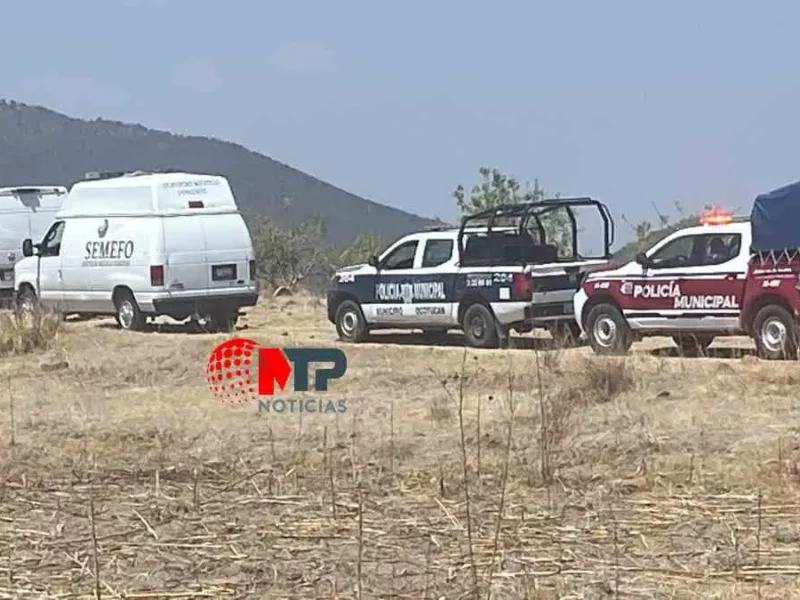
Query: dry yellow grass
{"type": "Point", "coordinates": [646, 477]}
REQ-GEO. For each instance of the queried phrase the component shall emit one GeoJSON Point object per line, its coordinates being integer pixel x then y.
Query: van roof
{"type": "Point", "coordinates": [149, 194]}
{"type": "Point", "coordinates": [33, 189]}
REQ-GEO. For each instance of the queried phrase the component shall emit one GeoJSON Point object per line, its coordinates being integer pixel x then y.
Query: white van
{"type": "Point", "coordinates": [141, 245]}
{"type": "Point", "coordinates": [25, 212]}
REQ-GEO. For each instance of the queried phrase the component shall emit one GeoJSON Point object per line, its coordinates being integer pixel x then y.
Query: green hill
{"type": "Point", "coordinates": [40, 146]}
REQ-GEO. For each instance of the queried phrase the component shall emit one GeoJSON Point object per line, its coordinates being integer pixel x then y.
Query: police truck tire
{"type": "Point", "coordinates": [693, 343]}
{"type": "Point", "coordinates": [607, 330]}
{"type": "Point", "coordinates": [479, 327]}
{"type": "Point", "coordinates": [129, 316]}
{"type": "Point", "coordinates": [351, 326]}
{"type": "Point", "coordinates": [776, 333]}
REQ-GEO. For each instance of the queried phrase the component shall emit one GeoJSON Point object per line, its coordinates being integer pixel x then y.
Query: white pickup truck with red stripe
{"type": "Point", "coordinates": [703, 282]}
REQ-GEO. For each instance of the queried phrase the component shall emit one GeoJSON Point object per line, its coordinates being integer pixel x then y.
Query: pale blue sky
{"type": "Point", "coordinates": [631, 102]}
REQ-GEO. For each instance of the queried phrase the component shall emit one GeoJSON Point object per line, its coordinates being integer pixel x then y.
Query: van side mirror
{"type": "Point", "coordinates": [27, 247]}
{"type": "Point", "coordinates": [641, 259]}
{"type": "Point", "coordinates": [373, 261]}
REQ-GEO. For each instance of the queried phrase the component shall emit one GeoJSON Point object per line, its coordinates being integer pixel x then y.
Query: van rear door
{"type": "Point", "coordinates": [228, 253]}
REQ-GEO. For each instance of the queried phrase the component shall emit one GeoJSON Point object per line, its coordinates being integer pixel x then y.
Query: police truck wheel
{"type": "Point", "coordinates": [129, 316]}
{"type": "Point", "coordinates": [776, 333]}
{"type": "Point", "coordinates": [693, 344]}
{"type": "Point", "coordinates": [479, 326]}
{"type": "Point", "coordinates": [351, 326]}
{"type": "Point", "coordinates": [607, 330]}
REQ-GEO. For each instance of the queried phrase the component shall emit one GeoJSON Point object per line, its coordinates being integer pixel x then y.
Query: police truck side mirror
{"type": "Point", "coordinates": [27, 247]}
{"type": "Point", "coordinates": [373, 261]}
{"type": "Point", "coordinates": [641, 259]}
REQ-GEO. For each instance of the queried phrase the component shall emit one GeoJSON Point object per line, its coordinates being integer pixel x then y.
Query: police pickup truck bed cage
{"type": "Point", "coordinates": [505, 234]}
{"type": "Point", "coordinates": [774, 221]}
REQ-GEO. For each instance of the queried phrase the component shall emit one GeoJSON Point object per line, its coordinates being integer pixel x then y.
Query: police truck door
{"type": "Point", "coordinates": [693, 282]}
{"type": "Point", "coordinates": [434, 280]}
{"type": "Point", "coordinates": [393, 294]}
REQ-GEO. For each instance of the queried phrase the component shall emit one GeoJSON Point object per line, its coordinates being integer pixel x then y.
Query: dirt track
{"type": "Point", "coordinates": [645, 479]}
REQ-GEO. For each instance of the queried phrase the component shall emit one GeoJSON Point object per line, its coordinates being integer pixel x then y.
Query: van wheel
{"type": "Point", "coordinates": [693, 344]}
{"type": "Point", "coordinates": [607, 330]}
{"type": "Point", "coordinates": [26, 300]}
{"type": "Point", "coordinates": [224, 321]}
{"type": "Point", "coordinates": [129, 316]}
{"type": "Point", "coordinates": [776, 333]}
{"type": "Point", "coordinates": [351, 326]}
{"type": "Point", "coordinates": [480, 327]}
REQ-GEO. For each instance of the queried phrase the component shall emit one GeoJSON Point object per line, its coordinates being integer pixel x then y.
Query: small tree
{"type": "Point", "coordinates": [497, 188]}
{"type": "Point", "coordinates": [364, 246]}
{"type": "Point", "coordinates": [645, 236]}
{"type": "Point", "coordinates": [287, 255]}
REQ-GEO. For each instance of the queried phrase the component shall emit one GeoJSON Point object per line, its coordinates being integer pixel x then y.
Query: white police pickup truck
{"type": "Point", "coordinates": [483, 278]}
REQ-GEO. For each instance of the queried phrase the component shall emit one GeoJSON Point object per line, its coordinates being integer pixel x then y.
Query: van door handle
{"type": "Point", "coordinates": [730, 276]}
{"type": "Point", "coordinates": [59, 275]}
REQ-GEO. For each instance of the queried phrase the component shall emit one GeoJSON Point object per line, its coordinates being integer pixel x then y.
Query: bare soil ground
{"type": "Point", "coordinates": [652, 476]}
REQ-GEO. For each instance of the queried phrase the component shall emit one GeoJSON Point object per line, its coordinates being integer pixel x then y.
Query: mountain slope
{"type": "Point", "coordinates": [41, 146]}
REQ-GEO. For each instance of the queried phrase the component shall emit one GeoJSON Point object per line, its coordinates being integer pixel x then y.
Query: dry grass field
{"type": "Point", "coordinates": [520, 473]}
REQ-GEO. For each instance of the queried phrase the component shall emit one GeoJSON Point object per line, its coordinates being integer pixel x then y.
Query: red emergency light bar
{"type": "Point", "coordinates": [716, 216]}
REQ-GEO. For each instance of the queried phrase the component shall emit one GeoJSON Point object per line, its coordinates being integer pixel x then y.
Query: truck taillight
{"type": "Point", "coordinates": [522, 286]}
{"type": "Point", "coordinates": [252, 270]}
{"type": "Point", "coordinates": [156, 275]}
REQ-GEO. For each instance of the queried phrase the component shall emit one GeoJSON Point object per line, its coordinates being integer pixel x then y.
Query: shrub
{"type": "Point", "coordinates": [22, 333]}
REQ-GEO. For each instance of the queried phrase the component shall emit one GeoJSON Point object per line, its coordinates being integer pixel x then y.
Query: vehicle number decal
{"type": "Point", "coordinates": [346, 278]}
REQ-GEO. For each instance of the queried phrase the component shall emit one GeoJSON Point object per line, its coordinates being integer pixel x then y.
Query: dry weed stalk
{"type": "Point", "coordinates": [12, 439]}
{"type": "Point", "coordinates": [504, 477]}
{"type": "Point", "coordinates": [360, 538]}
{"type": "Point", "coordinates": [465, 469]}
{"type": "Point", "coordinates": [95, 550]}
{"type": "Point", "coordinates": [391, 436]}
{"type": "Point", "coordinates": [22, 333]}
{"type": "Point", "coordinates": [459, 401]}
{"type": "Point", "coordinates": [544, 447]}
{"type": "Point", "coordinates": [327, 449]}
{"type": "Point", "coordinates": [478, 475]}
{"type": "Point", "coordinates": [758, 548]}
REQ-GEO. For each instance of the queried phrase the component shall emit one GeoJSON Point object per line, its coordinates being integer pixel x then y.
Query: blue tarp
{"type": "Point", "coordinates": [775, 219]}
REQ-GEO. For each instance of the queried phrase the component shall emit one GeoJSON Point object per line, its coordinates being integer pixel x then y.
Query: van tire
{"type": "Point", "coordinates": [774, 320]}
{"type": "Point", "coordinates": [607, 330]}
{"type": "Point", "coordinates": [129, 316]}
{"type": "Point", "coordinates": [351, 326]}
{"type": "Point", "coordinates": [26, 300]}
{"type": "Point", "coordinates": [480, 327]}
{"type": "Point", "coordinates": [224, 322]}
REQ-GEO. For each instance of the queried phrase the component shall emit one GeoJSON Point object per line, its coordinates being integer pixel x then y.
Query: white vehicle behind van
{"type": "Point", "coordinates": [25, 212]}
{"type": "Point", "coordinates": [141, 245]}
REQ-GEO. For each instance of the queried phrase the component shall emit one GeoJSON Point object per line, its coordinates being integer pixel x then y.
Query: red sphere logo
{"type": "Point", "coordinates": [229, 371]}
